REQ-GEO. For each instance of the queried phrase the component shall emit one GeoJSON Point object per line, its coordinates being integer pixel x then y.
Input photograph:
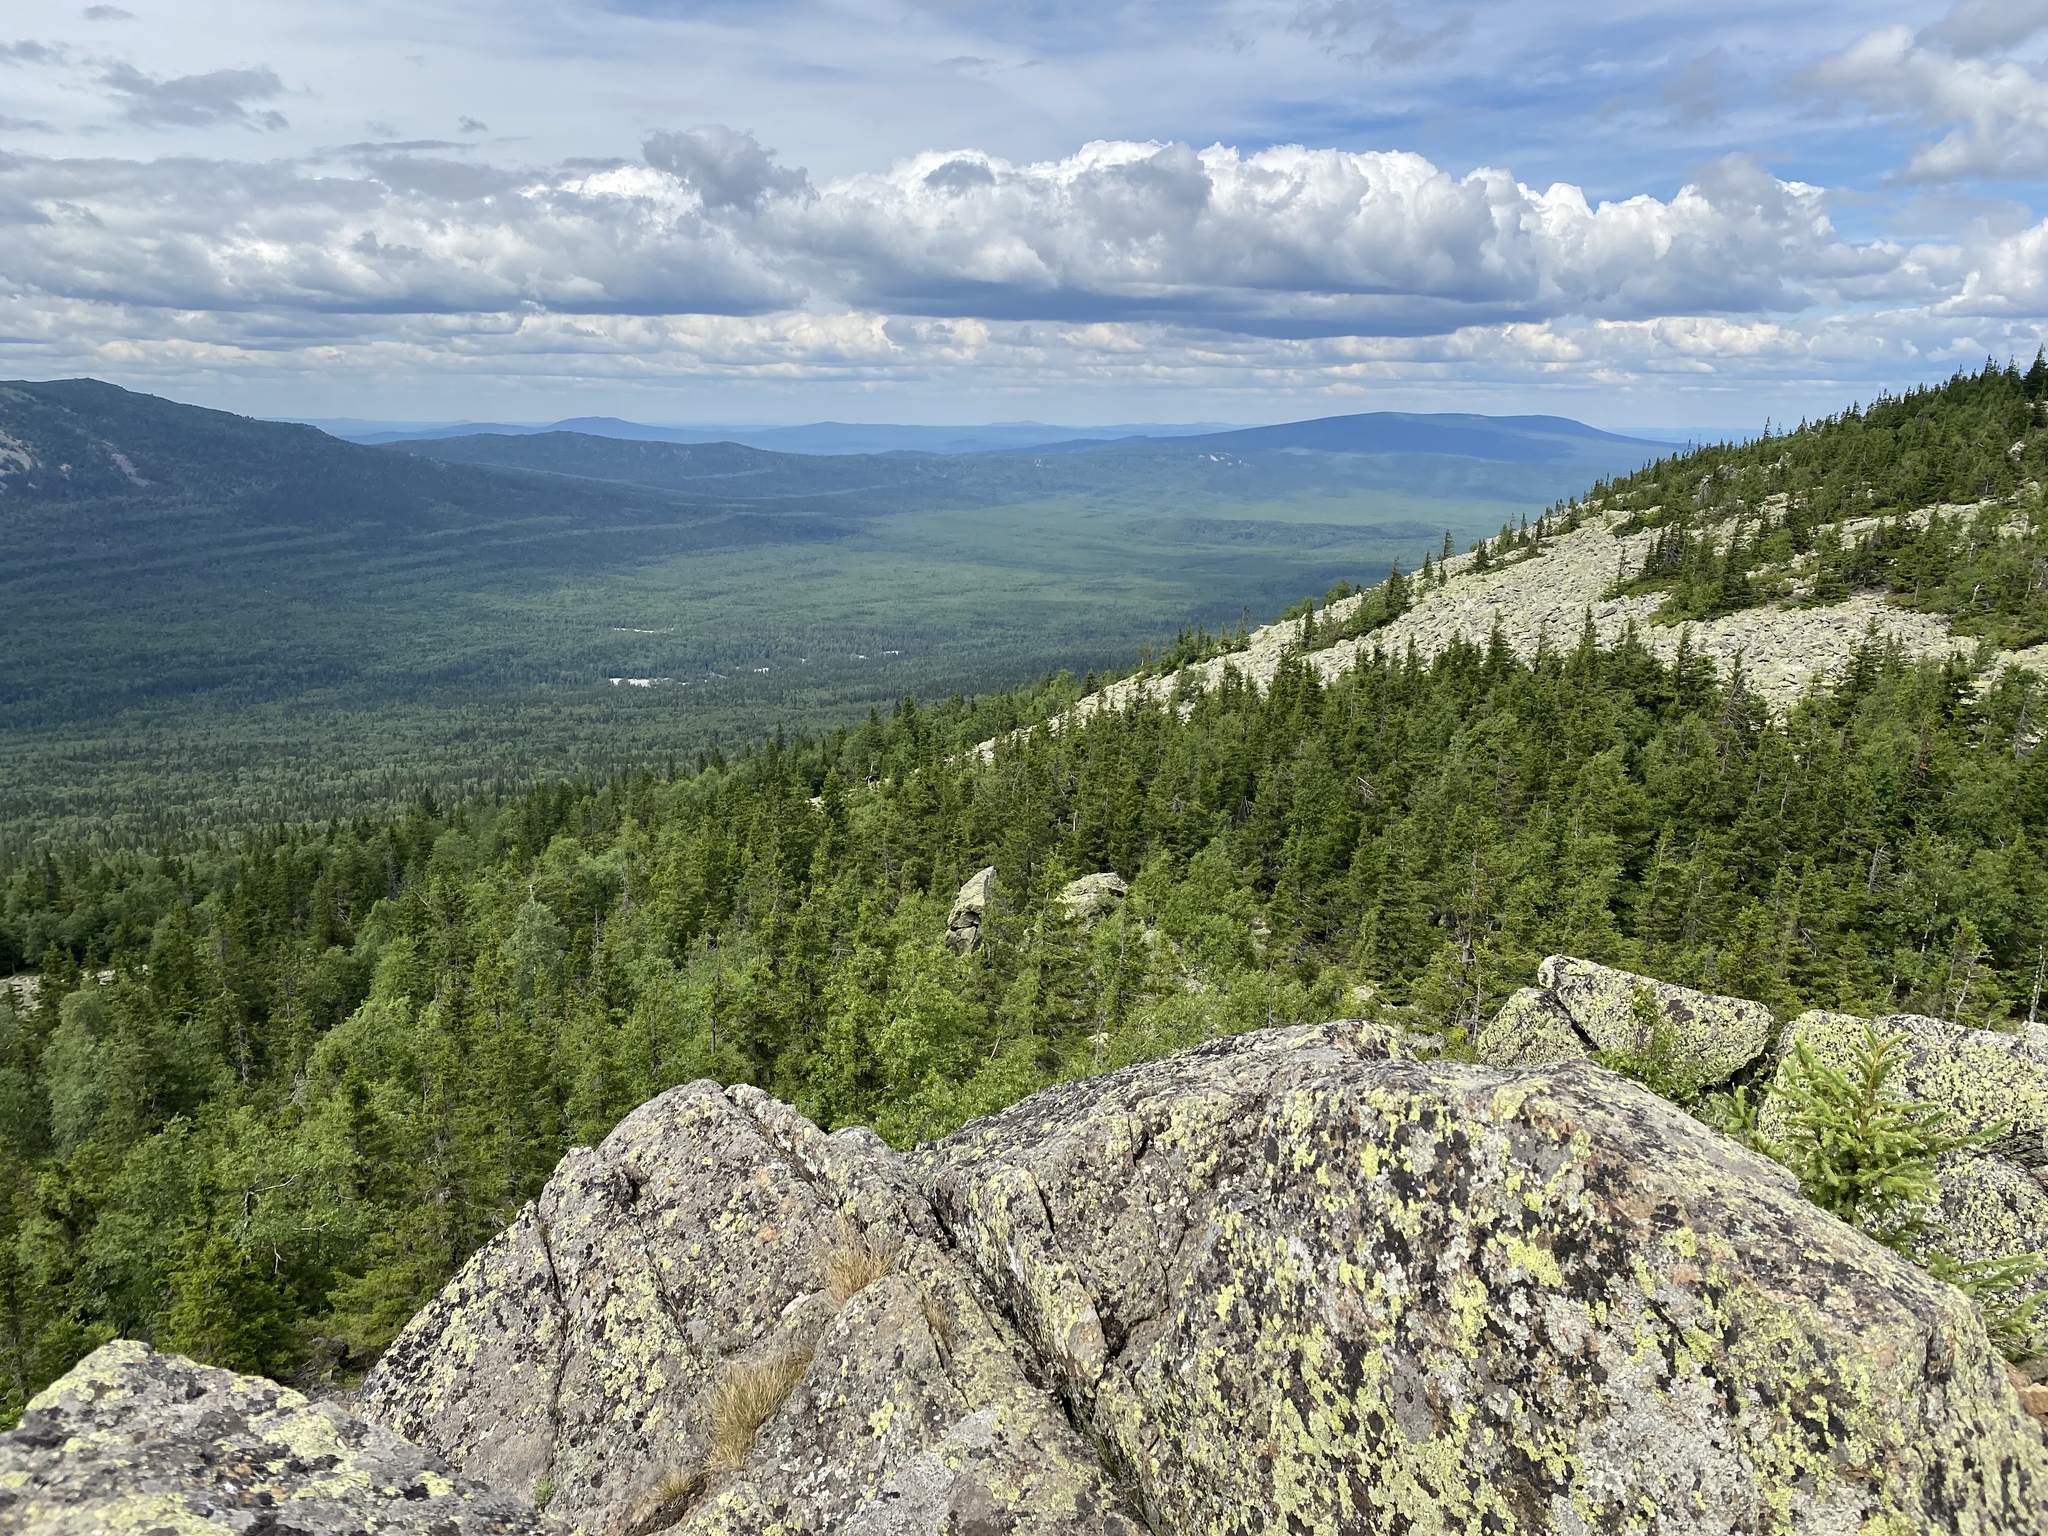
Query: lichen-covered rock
{"type": "Point", "coordinates": [587, 1346]}
{"type": "Point", "coordinates": [1090, 896]}
{"type": "Point", "coordinates": [1981, 1077]}
{"type": "Point", "coordinates": [970, 909]}
{"type": "Point", "coordinates": [1578, 1007]}
{"type": "Point", "coordinates": [1990, 1208]}
{"type": "Point", "coordinates": [1717, 1036]}
{"type": "Point", "coordinates": [1294, 1283]}
{"type": "Point", "coordinates": [1531, 1030]}
{"type": "Point", "coordinates": [131, 1440]}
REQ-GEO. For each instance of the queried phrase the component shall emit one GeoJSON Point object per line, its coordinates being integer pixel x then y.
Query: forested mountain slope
{"type": "Point", "coordinates": [267, 1094]}
{"type": "Point", "coordinates": [1762, 563]}
{"type": "Point", "coordinates": [214, 621]}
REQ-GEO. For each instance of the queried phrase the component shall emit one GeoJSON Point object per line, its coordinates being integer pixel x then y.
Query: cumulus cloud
{"type": "Point", "coordinates": [195, 101]}
{"type": "Point", "coordinates": [1286, 242]}
{"type": "Point", "coordinates": [206, 235]}
{"type": "Point", "coordinates": [1121, 261]}
{"type": "Point", "coordinates": [1296, 241]}
{"type": "Point", "coordinates": [725, 169]}
{"type": "Point", "coordinates": [1996, 112]}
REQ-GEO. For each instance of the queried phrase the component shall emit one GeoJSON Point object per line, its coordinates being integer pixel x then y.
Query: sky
{"type": "Point", "coordinates": [1076, 211]}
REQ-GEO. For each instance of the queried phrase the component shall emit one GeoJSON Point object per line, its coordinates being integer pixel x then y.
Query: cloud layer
{"type": "Point", "coordinates": [1736, 196]}
{"type": "Point", "coordinates": [1288, 241]}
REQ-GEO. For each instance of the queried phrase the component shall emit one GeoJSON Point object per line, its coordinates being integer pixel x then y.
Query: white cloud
{"type": "Point", "coordinates": [1288, 241]}
{"type": "Point", "coordinates": [1125, 267]}
{"type": "Point", "coordinates": [1996, 112]}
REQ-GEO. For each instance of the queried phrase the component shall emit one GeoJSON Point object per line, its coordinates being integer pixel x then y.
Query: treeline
{"type": "Point", "coordinates": [268, 1094]}
{"type": "Point", "coordinates": [1949, 442]}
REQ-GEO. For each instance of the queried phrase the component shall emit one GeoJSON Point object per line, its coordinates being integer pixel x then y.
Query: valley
{"type": "Point", "coordinates": [277, 625]}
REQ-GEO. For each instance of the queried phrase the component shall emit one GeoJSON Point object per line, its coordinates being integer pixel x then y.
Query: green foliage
{"type": "Point", "coordinates": [1868, 1156]}
{"type": "Point", "coordinates": [1657, 1059]}
{"type": "Point", "coordinates": [279, 1087]}
{"type": "Point", "coordinates": [1864, 1154]}
{"type": "Point", "coordinates": [1823, 512]}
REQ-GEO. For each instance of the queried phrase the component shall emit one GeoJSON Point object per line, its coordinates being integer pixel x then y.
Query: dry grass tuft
{"type": "Point", "coordinates": [856, 1262]}
{"type": "Point", "coordinates": [935, 1317]}
{"type": "Point", "coordinates": [745, 1398]}
{"type": "Point", "coordinates": [678, 1486]}
{"type": "Point", "coordinates": [662, 1506]}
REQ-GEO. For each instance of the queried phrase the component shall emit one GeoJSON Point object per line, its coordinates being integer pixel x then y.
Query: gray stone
{"type": "Point", "coordinates": [1531, 1030]}
{"type": "Point", "coordinates": [970, 909]}
{"type": "Point", "coordinates": [1993, 1209]}
{"type": "Point", "coordinates": [587, 1346]}
{"type": "Point", "coordinates": [1578, 1007]}
{"type": "Point", "coordinates": [1293, 1283]}
{"type": "Point", "coordinates": [132, 1440]}
{"type": "Point", "coordinates": [1291, 1280]}
{"type": "Point", "coordinates": [1716, 1036]}
{"type": "Point", "coordinates": [1091, 896]}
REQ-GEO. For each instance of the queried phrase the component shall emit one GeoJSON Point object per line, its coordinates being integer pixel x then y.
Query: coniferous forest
{"type": "Point", "coordinates": [268, 1091]}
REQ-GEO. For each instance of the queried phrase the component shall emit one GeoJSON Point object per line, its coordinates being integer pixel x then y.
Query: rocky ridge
{"type": "Point", "coordinates": [1544, 601]}
{"type": "Point", "coordinates": [1294, 1279]}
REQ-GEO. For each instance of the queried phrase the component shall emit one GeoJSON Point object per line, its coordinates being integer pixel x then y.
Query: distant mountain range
{"type": "Point", "coordinates": [213, 619]}
{"type": "Point", "coordinates": [1376, 432]}
{"type": "Point", "coordinates": [818, 437]}
{"type": "Point", "coordinates": [1487, 458]}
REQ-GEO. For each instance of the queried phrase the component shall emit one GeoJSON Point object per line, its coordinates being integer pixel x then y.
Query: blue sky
{"type": "Point", "coordinates": [947, 210]}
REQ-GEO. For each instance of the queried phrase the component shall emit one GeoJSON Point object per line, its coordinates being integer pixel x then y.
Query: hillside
{"type": "Point", "coordinates": [269, 1094]}
{"type": "Point", "coordinates": [1788, 560]}
{"type": "Point", "coordinates": [215, 622]}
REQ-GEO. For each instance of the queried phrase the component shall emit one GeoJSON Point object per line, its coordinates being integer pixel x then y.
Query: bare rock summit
{"type": "Point", "coordinates": [1288, 1281]}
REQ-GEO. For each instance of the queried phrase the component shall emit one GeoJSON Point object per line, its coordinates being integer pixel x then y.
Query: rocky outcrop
{"type": "Point", "coordinates": [131, 1440]}
{"type": "Point", "coordinates": [719, 1245]}
{"type": "Point", "coordinates": [970, 910]}
{"type": "Point", "coordinates": [1092, 896]}
{"type": "Point", "coordinates": [1578, 1007]}
{"type": "Point", "coordinates": [1544, 600]}
{"type": "Point", "coordinates": [1294, 1284]}
{"type": "Point", "coordinates": [1290, 1280]}
{"type": "Point", "coordinates": [1993, 1197]}
{"type": "Point", "coordinates": [1981, 1077]}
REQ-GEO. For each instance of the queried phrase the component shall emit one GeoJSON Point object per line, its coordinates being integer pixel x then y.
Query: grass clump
{"type": "Point", "coordinates": [661, 1506]}
{"type": "Point", "coordinates": [856, 1262]}
{"type": "Point", "coordinates": [746, 1397]}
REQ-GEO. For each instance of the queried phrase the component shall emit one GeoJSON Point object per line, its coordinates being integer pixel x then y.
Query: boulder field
{"type": "Point", "coordinates": [1288, 1281]}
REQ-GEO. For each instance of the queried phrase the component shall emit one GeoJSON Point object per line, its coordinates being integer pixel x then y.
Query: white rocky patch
{"type": "Point", "coordinates": [1544, 601]}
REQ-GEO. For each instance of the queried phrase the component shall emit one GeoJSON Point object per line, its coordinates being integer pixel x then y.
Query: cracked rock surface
{"type": "Point", "coordinates": [585, 1347]}
{"type": "Point", "coordinates": [1292, 1282]}
{"type": "Point", "coordinates": [1286, 1281]}
{"type": "Point", "coordinates": [131, 1440]}
{"type": "Point", "coordinates": [1577, 1007]}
